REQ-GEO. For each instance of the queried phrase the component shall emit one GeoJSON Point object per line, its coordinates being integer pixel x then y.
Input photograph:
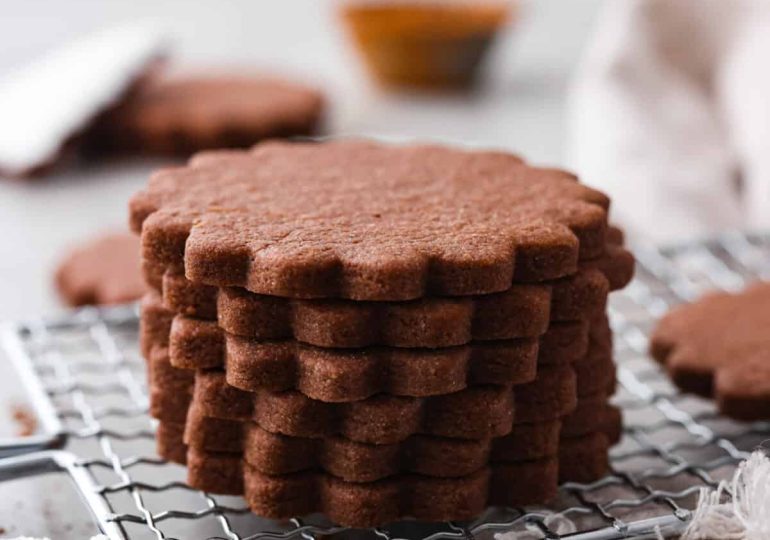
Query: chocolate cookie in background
{"type": "Point", "coordinates": [181, 114]}
{"type": "Point", "coordinates": [719, 346]}
{"type": "Point", "coordinates": [324, 337]}
{"type": "Point", "coordinates": [102, 271]}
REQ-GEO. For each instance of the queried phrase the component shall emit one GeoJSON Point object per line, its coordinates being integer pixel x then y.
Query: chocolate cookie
{"type": "Point", "coordinates": [369, 504]}
{"type": "Point", "coordinates": [213, 434]}
{"type": "Point", "coordinates": [377, 503]}
{"type": "Point", "coordinates": [275, 454]}
{"type": "Point", "coordinates": [351, 375]}
{"type": "Point", "coordinates": [593, 413]}
{"type": "Point", "coordinates": [586, 435]}
{"type": "Point", "coordinates": [583, 459]}
{"type": "Point", "coordinates": [521, 311]}
{"type": "Point", "coordinates": [215, 472]}
{"type": "Point", "coordinates": [617, 264]}
{"type": "Point", "coordinates": [352, 461]}
{"type": "Point", "coordinates": [181, 115]}
{"type": "Point", "coordinates": [717, 346]}
{"type": "Point", "coordinates": [366, 221]}
{"type": "Point", "coordinates": [571, 296]}
{"type": "Point", "coordinates": [105, 270]}
{"type": "Point", "coordinates": [552, 395]}
{"type": "Point", "coordinates": [476, 412]}
{"type": "Point", "coordinates": [154, 324]}
{"type": "Point", "coordinates": [170, 388]}
{"type": "Point", "coordinates": [596, 370]}
{"type": "Point", "coordinates": [342, 375]}
{"type": "Point", "coordinates": [169, 442]}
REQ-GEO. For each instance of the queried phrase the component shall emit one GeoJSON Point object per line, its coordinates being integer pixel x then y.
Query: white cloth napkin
{"type": "Point", "coordinates": [670, 114]}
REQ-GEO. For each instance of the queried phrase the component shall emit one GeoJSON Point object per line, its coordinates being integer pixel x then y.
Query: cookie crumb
{"type": "Point", "coordinates": [25, 420]}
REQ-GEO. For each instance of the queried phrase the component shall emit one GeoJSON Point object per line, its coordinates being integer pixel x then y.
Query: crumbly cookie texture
{"type": "Point", "coordinates": [361, 220]}
{"type": "Point", "coordinates": [719, 346]}
{"type": "Point", "coordinates": [367, 504]}
{"type": "Point", "coordinates": [441, 457]}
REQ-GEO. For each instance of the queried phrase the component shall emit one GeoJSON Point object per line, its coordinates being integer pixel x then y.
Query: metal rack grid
{"type": "Point", "coordinates": [87, 379]}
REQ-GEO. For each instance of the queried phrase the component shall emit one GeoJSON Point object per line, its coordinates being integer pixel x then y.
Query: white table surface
{"type": "Point", "coordinates": [521, 106]}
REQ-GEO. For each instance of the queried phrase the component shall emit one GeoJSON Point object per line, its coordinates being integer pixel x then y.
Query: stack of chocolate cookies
{"type": "Point", "coordinates": [377, 332]}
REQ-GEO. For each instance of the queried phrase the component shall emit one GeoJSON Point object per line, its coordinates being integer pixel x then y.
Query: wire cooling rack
{"type": "Point", "coordinates": [86, 378]}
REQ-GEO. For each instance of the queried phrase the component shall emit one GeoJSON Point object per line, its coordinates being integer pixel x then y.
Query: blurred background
{"type": "Point", "coordinates": [661, 103]}
{"type": "Point", "coordinates": [518, 105]}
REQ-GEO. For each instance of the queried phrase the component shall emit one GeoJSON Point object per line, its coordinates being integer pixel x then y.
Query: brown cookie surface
{"type": "Point", "coordinates": [183, 114]}
{"type": "Point", "coordinates": [169, 442]}
{"type": "Point", "coordinates": [521, 311]}
{"type": "Point", "coordinates": [593, 413]}
{"type": "Point", "coordinates": [171, 389]}
{"type": "Point", "coordinates": [344, 375]}
{"type": "Point", "coordinates": [350, 374]}
{"type": "Point", "coordinates": [215, 472]}
{"type": "Point", "coordinates": [584, 458]}
{"type": "Point", "coordinates": [718, 346]}
{"type": "Point", "coordinates": [105, 270]}
{"type": "Point", "coordinates": [275, 454]}
{"type": "Point", "coordinates": [154, 324]}
{"type": "Point", "coordinates": [423, 498]}
{"type": "Point", "coordinates": [366, 221]}
{"type": "Point", "coordinates": [596, 370]}
{"type": "Point", "coordinates": [369, 504]}
{"type": "Point", "coordinates": [478, 412]}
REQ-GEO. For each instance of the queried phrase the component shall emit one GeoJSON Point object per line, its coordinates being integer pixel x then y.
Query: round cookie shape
{"type": "Point", "coordinates": [719, 346]}
{"type": "Point", "coordinates": [179, 114]}
{"type": "Point", "coordinates": [366, 221]}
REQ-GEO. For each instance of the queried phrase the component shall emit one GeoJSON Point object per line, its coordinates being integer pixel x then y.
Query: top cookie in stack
{"type": "Point", "coordinates": [474, 284]}
{"type": "Point", "coordinates": [365, 221]}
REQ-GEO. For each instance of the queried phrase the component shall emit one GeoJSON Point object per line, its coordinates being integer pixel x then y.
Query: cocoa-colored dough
{"type": "Point", "coordinates": [583, 459]}
{"type": "Point", "coordinates": [154, 324]}
{"type": "Point", "coordinates": [170, 388]}
{"type": "Point", "coordinates": [345, 375]}
{"type": "Point", "coordinates": [102, 271]}
{"type": "Point", "coordinates": [367, 221]}
{"type": "Point", "coordinates": [215, 472]}
{"type": "Point", "coordinates": [593, 413]}
{"type": "Point", "coordinates": [522, 310]}
{"type": "Point", "coordinates": [424, 498]}
{"type": "Point", "coordinates": [472, 413]}
{"type": "Point", "coordinates": [276, 454]}
{"type": "Point", "coordinates": [179, 114]}
{"type": "Point", "coordinates": [719, 346]}
{"type": "Point", "coordinates": [213, 434]}
{"type": "Point", "coordinates": [169, 443]}
{"type": "Point", "coordinates": [196, 344]}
